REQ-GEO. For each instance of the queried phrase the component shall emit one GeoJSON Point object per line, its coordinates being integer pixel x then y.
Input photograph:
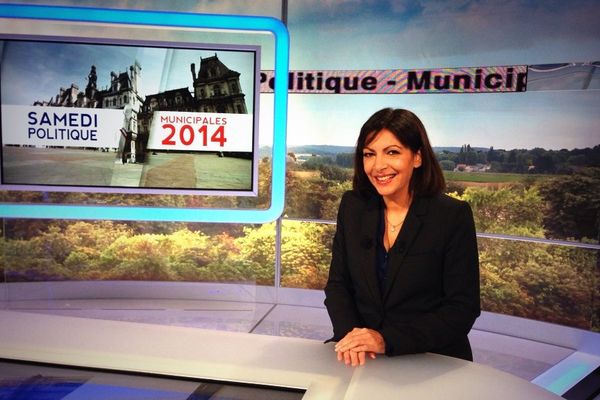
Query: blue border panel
{"type": "Point", "coordinates": [159, 18]}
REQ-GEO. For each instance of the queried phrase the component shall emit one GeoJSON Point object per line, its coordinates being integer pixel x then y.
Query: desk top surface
{"type": "Point", "coordinates": [250, 358]}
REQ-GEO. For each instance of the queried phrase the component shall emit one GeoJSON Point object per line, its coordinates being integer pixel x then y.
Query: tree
{"type": "Point", "coordinates": [257, 248]}
{"type": "Point", "coordinates": [344, 160]}
{"type": "Point", "coordinates": [28, 261]}
{"type": "Point", "coordinates": [334, 173]}
{"type": "Point", "coordinates": [573, 205]}
{"type": "Point", "coordinates": [141, 257]}
{"type": "Point", "coordinates": [539, 281]}
{"type": "Point", "coordinates": [544, 164]}
{"type": "Point", "coordinates": [493, 155]}
{"type": "Point", "coordinates": [470, 157]}
{"type": "Point", "coordinates": [447, 165]}
{"type": "Point", "coordinates": [305, 254]}
{"type": "Point", "coordinates": [330, 206]}
{"type": "Point", "coordinates": [301, 199]}
{"type": "Point", "coordinates": [315, 161]}
{"type": "Point", "coordinates": [511, 210]}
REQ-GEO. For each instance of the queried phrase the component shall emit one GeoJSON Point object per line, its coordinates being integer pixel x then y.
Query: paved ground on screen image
{"type": "Point", "coordinates": [81, 167]}
{"type": "Point", "coordinates": [207, 171]}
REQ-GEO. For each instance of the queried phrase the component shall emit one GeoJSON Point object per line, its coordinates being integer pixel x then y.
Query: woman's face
{"type": "Point", "coordinates": [389, 164]}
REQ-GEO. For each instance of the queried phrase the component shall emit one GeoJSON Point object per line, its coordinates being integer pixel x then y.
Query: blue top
{"type": "Point", "coordinates": [382, 253]}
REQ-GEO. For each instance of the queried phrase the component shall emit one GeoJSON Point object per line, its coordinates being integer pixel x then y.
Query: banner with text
{"type": "Point", "coordinates": [59, 126]}
{"type": "Point", "coordinates": [201, 131]}
{"type": "Point", "coordinates": [404, 81]}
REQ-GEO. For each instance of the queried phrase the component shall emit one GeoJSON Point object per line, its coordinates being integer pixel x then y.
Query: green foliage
{"type": "Point", "coordinates": [573, 205]}
{"type": "Point", "coordinates": [316, 161]}
{"type": "Point", "coordinates": [487, 177]}
{"type": "Point", "coordinates": [548, 283]}
{"type": "Point", "coordinates": [257, 249]}
{"type": "Point", "coordinates": [447, 165]}
{"type": "Point", "coordinates": [142, 257]}
{"type": "Point", "coordinates": [334, 173]}
{"type": "Point", "coordinates": [314, 198]}
{"type": "Point", "coordinates": [300, 197]}
{"type": "Point", "coordinates": [27, 260]}
{"type": "Point", "coordinates": [516, 210]}
{"type": "Point", "coordinates": [344, 160]}
{"type": "Point", "coordinates": [109, 251]}
{"type": "Point", "coordinates": [330, 206]}
{"type": "Point", "coordinates": [534, 161]}
{"type": "Point", "coordinates": [90, 237]}
{"type": "Point", "coordinates": [305, 254]}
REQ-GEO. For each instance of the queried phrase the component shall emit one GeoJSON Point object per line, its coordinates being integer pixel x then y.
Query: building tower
{"type": "Point", "coordinates": [217, 88]}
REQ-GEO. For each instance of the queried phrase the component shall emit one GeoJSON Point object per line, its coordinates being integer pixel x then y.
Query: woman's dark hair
{"type": "Point", "coordinates": [428, 179]}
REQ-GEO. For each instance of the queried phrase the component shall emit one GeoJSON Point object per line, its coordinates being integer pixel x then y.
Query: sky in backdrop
{"type": "Point", "coordinates": [403, 34]}
{"type": "Point", "coordinates": [25, 81]}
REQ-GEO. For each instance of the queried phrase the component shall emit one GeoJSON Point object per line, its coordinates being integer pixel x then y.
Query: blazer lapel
{"type": "Point", "coordinates": [406, 236]}
{"type": "Point", "coordinates": [369, 225]}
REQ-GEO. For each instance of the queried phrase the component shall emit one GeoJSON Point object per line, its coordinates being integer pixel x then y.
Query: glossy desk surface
{"type": "Point", "coordinates": [250, 358]}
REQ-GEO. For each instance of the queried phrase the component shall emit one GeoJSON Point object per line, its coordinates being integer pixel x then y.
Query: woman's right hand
{"type": "Point", "coordinates": [354, 358]}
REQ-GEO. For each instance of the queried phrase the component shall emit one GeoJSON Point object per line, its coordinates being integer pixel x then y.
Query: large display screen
{"type": "Point", "coordinates": [159, 111]}
{"type": "Point", "coordinates": [24, 380]}
{"type": "Point", "coordinates": [108, 116]}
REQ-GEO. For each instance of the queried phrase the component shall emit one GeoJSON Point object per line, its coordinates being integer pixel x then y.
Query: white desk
{"type": "Point", "coordinates": [250, 358]}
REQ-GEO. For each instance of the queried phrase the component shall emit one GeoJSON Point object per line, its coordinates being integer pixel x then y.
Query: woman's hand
{"type": "Point", "coordinates": [354, 358]}
{"type": "Point", "coordinates": [357, 344]}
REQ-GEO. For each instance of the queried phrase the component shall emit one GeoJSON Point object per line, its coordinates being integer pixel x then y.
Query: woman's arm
{"type": "Point", "coordinates": [339, 290]}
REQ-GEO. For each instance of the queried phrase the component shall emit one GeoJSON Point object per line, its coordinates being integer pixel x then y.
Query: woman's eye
{"type": "Point", "coordinates": [366, 155]}
{"type": "Point", "coordinates": [393, 152]}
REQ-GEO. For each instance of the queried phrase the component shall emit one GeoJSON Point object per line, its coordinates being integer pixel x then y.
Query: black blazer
{"type": "Point", "coordinates": [430, 298]}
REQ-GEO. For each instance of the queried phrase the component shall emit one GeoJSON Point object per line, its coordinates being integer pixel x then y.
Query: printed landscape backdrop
{"type": "Point", "coordinates": [527, 162]}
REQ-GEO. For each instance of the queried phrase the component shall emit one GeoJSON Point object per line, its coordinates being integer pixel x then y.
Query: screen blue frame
{"type": "Point", "coordinates": [174, 19]}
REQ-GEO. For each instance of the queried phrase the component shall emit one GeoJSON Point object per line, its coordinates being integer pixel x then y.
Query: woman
{"type": "Point", "coordinates": [404, 275]}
